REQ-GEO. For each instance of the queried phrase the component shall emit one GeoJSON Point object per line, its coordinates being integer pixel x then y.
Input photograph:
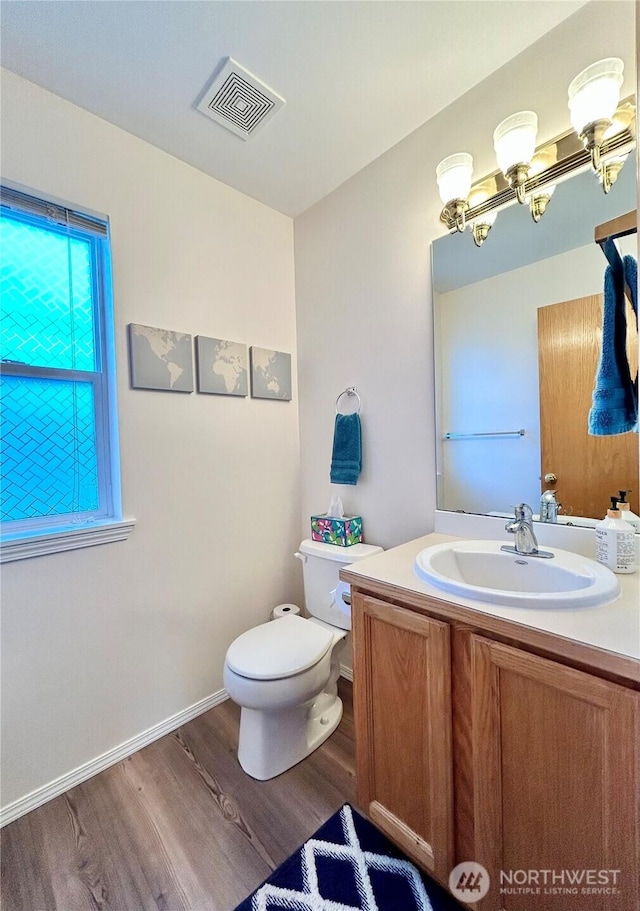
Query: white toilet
{"type": "Point", "coordinates": [284, 673]}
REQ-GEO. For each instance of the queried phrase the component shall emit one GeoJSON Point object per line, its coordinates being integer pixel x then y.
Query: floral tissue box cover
{"type": "Point", "coordinates": [343, 532]}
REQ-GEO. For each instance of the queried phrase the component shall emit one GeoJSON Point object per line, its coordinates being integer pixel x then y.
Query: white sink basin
{"type": "Point", "coordinates": [481, 571]}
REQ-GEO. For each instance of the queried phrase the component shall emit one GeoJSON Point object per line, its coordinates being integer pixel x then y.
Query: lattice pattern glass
{"type": "Point", "coordinates": [48, 450]}
{"type": "Point", "coordinates": [46, 297]}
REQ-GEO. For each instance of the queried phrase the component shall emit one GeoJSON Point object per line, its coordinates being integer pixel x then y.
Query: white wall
{"type": "Point", "coordinates": [363, 288]}
{"type": "Point", "coordinates": [102, 643]}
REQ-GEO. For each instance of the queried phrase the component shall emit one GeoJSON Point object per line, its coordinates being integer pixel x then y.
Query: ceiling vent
{"type": "Point", "coordinates": [239, 101]}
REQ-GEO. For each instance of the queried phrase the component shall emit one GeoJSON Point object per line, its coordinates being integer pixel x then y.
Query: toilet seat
{"type": "Point", "coordinates": [279, 649]}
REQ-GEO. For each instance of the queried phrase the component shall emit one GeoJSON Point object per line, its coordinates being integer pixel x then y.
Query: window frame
{"type": "Point", "coordinates": [23, 206]}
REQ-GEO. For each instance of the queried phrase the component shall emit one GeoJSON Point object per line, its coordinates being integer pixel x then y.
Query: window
{"type": "Point", "coordinates": [58, 453]}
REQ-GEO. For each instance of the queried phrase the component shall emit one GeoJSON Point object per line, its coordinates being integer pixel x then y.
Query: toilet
{"type": "Point", "coordinates": [284, 673]}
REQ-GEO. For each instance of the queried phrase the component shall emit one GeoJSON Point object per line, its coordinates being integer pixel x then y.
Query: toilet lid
{"type": "Point", "coordinates": [279, 649]}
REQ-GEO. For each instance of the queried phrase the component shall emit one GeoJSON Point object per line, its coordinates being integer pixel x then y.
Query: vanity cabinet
{"type": "Point", "coordinates": [404, 763]}
{"type": "Point", "coordinates": [472, 748]}
{"type": "Point", "coordinates": [554, 775]}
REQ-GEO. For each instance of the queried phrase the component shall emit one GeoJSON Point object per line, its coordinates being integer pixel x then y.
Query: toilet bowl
{"type": "Point", "coordinates": [284, 673]}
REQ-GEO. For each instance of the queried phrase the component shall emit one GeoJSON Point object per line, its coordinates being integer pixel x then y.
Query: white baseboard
{"type": "Point", "coordinates": [346, 672]}
{"type": "Point", "coordinates": [41, 795]}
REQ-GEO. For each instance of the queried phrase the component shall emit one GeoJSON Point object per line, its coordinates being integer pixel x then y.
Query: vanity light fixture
{"type": "Point", "coordinates": [593, 98]}
{"type": "Point", "coordinates": [481, 225]}
{"type": "Point", "coordinates": [609, 169]}
{"type": "Point", "coordinates": [453, 175]}
{"type": "Point", "coordinates": [514, 142]}
{"type": "Point", "coordinates": [538, 203]}
{"type": "Point", "coordinates": [540, 199]}
{"type": "Point", "coordinates": [603, 134]}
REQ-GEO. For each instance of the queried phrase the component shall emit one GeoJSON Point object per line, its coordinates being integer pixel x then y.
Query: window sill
{"type": "Point", "coordinates": [37, 544]}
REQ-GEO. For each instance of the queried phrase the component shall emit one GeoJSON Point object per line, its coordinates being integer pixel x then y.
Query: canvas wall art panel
{"type": "Point", "coordinates": [222, 367]}
{"type": "Point", "coordinates": [160, 359]}
{"type": "Point", "coordinates": [270, 374]}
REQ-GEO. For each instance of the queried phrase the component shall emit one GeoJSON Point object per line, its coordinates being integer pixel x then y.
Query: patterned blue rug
{"type": "Point", "coordinates": [348, 865]}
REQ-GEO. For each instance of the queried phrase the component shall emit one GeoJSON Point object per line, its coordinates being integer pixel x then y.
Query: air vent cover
{"type": "Point", "coordinates": [239, 101]}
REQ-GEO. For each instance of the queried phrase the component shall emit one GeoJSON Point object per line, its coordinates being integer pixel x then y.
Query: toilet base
{"type": "Point", "coordinates": [273, 741]}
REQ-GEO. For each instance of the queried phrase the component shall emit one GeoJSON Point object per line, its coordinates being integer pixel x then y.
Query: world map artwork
{"type": "Point", "coordinates": [270, 374]}
{"type": "Point", "coordinates": [160, 359]}
{"type": "Point", "coordinates": [222, 366]}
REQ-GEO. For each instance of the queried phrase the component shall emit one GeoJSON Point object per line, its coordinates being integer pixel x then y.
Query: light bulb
{"type": "Point", "coordinates": [595, 92]}
{"type": "Point", "coordinates": [482, 191]}
{"type": "Point", "coordinates": [481, 226]}
{"type": "Point", "coordinates": [487, 219]}
{"type": "Point", "coordinates": [514, 140]}
{"type": "Point", "coordinates": [609, 170]}
{"type": "Point", "coordinates": [622, 119]}
{"type": "Point", "coordinates": [454, 176]}
{"type": "Point", "coordinates": [543, 159]}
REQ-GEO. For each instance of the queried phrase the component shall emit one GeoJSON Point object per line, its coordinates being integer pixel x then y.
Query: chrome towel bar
{"type": "Point", "coordinates": [489, 433]}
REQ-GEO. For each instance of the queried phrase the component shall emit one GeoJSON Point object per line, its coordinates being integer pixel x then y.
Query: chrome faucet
{"type": "Point", "coordinates": [522, 527]}
{"type": "Point", "coordinates": [549, 506]}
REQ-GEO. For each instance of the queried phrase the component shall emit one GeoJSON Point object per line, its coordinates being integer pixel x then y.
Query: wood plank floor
{"type": "Point", "coordinates": [178, 826]}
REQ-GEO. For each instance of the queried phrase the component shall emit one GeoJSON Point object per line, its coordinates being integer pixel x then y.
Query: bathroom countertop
{"type": "Point", "coordinates": [605, 638]}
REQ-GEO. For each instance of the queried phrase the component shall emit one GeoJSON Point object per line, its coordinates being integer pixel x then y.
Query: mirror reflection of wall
{"type": "Point", "coordinates": [486, 351]}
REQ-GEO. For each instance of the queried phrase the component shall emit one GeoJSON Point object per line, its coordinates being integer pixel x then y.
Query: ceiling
{"type": "Point", "coordinates": [357, 77]}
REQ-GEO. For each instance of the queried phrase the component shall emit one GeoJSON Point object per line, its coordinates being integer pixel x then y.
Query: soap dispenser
{"type": "Point", "coordinates": [615, 541]}
{"type": "Point", "coordinates": [626, 513]}
{"type": "Point", "coordinates": [549, 506]}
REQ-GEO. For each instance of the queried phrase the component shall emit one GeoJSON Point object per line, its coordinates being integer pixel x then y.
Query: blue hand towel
{"type": "Point", "coordinates": [346, 460]}
{"type": "Point", "coordinates": [631, 281]}
{"type": "Point", "coordinates": [615, 397]}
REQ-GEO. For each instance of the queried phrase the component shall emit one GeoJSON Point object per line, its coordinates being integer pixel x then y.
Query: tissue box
{"type": "Point", "coordinates": [343, 532]}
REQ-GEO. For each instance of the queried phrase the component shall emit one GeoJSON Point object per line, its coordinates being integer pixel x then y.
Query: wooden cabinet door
{"type": "Point", "coordinates": [556, 784]}
{"type": "Point", "coordinates": [402, 706]}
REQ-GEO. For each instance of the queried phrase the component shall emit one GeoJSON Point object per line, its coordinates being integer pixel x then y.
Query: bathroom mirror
{"type": "Point", "coordinates": [490, 338]}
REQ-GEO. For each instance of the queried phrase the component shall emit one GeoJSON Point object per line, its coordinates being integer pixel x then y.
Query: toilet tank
{"type": "Point", "coordinates": [321, 564]}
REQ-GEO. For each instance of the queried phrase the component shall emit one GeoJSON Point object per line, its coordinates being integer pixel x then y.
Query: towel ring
{"type": "Point", "coordinates": [350, 390]}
